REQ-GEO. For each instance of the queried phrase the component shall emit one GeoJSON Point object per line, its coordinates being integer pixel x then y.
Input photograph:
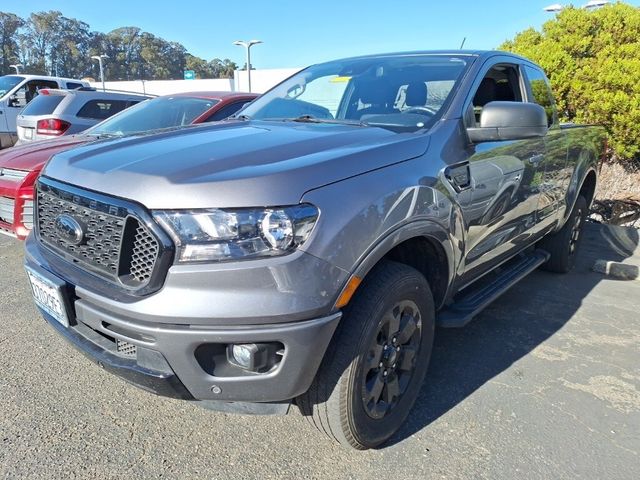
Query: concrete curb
{"type": "Point", "coordinates": [620, 271]}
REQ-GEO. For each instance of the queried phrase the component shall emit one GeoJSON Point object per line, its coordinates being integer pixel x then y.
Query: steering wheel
{"type": "Point", "coordinates": [420, 111]}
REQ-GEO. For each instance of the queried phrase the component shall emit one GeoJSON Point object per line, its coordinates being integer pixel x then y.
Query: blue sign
{"type": "Point", "coordinates": [189, 75]}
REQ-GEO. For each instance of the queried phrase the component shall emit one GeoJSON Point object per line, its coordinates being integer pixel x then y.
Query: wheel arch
{"type": "Point", "coordinates": [424, 246]}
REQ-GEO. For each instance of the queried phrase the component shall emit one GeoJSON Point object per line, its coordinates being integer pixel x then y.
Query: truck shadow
{"type": "Point", "coordinates": [463, 360]}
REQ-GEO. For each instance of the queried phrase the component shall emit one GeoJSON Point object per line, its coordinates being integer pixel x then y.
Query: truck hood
{"type": "Point", "coordinates": [32, 156]}
{"type": "Point", "coordinates": [232, 164]}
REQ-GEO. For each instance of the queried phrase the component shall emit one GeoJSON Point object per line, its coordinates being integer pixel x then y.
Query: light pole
{"type": "Point", "coordinates": [17, 66]}
{"type": "Point", "coordinates": [247, 46]}
{"type": "Point", "coordinates": [591, 4]}
{"type": "Point", "coordinates": [99, 59]}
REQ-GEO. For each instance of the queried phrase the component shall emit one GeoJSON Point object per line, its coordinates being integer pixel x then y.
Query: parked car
{"type": "Point", "coordinates": [57, 112]}
{"type": "Point", "coordinates": [307, 249]}
{"type": "Point", "coordinates": [16, 91]}
{"type": "Point", "coordinates": [21, 165]}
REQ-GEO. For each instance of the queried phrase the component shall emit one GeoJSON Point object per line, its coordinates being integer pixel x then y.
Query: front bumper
{"type": "Point", "coordinates": [185, 359]}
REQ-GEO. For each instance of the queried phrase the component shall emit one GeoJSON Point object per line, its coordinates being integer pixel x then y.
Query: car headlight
{"type": "Point", "coordinates": [234, 234]}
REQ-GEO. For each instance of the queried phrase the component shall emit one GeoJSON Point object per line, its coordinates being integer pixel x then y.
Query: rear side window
{"type": "Point", "coordinates": [227, 111]}
{"type": "Point", "coordinates": [43, 105]}
{"type": "Point", "coordinates": [101, 109]}
{"type": "Point", "coordinates": [541, 92]}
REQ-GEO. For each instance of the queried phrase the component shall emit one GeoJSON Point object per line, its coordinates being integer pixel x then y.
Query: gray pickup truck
{"type": "Point", "coordinates": [306, 250]}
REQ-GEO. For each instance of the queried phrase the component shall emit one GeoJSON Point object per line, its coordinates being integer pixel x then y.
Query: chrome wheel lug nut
{"type": "Point", "coordinates": [384, 374]}
{"type": "Point", "coordinates": [397, 349]}
{"type": "Point", "coordinates": [380, 364]}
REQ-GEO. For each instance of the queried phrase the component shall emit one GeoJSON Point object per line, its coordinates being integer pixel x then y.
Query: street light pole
{"type": "Point", "coordinates": [99, 59]}
{"type": "Point", "coordinates": [247, 46]}
{"type": "Point", "coordinates": [590, 5]}
{"type": "Point", "coordinates": [17, 67]}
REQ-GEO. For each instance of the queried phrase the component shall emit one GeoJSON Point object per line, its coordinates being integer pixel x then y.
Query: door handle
{"type": "Point", "coordinates": [459, 176]}
{"type": "Point", "coordinates": [536, 159]}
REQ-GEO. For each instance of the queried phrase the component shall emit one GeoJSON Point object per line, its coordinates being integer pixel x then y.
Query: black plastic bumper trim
{"type": "Point", "coordinates": [161, 382]}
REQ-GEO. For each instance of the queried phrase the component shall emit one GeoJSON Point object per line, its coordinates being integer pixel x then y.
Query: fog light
{"type": "Point", "coordinates": [256, 357]}
{"type": "Point", "coordinates": [243, 355]}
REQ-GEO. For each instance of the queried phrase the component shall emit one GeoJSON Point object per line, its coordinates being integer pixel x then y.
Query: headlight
{"type": "Point", "coordinates": [229, 234]}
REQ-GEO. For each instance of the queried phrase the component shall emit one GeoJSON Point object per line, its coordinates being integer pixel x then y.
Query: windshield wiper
{"type": "Point", "coordinates": [312, 119]}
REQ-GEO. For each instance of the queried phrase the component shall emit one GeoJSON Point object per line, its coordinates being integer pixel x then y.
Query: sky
{"type": "Point", "coordinates": [302, 32]}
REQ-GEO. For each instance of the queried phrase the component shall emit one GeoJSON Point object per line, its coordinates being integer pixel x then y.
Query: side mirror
{"type": "Point", "coordinates": [13, 101]}
{"type": "Point", "coordinates": [509, 121]}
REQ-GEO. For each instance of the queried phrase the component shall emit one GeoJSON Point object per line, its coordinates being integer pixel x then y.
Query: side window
{"type": "Point", "coordinates": [501, 83]}
{"type": "Point", "coordinates": [29, 91]}
{"type": "Point", "coordinates": [101, 109]}
{"type": "Point", "coordinates": [541, 93]}
{"type": "Point", "coordinates": [227, 111]}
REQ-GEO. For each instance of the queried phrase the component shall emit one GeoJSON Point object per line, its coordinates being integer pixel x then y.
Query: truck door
{"type": "Point", "coordinates": [499, 207]}
{"type": "Point", "coordinates": [554, 172]}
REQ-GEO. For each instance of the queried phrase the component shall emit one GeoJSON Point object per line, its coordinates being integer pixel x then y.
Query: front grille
{"type": "Point", "coordinates": [27, 214]}
{"type": "Point", "coordinates": [11, 174]}
{"type": "Point", "coordinates": [125, 348]}
{"type": "Point", "coordinates": [115, 243]}
{"type": "Point", "coordinates": [6, 210]}
{"type": "Point", "coordinates": [143, 257]}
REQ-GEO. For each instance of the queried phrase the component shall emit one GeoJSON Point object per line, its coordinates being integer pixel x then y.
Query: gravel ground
{"type": "Point", "coordinates": [544, 384]}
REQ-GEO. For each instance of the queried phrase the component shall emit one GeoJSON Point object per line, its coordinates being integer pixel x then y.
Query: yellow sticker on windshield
{"type": "Point", "coordinates": [340, 79]}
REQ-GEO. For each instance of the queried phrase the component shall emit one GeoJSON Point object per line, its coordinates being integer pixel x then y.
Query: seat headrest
{"type": "Point", "coordinates": [416, 95]}
{"type": "Point", "coordinates": [486, 92]}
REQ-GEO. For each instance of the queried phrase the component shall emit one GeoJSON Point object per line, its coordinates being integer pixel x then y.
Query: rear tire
{"type": "Point", "coordinates": [372, 373]}
{"type": "Point", "coordinates": [564, 244]}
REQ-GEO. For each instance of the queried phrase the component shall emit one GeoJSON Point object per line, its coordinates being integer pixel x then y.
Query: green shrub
{"type": "Point", "coordinates": [592, 59]}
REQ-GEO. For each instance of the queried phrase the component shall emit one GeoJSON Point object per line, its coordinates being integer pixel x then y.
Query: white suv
{"type": "Point", "coordinates": [58, 112]}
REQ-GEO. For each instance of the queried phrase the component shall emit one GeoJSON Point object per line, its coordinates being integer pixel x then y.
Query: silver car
{"type": "Point", "coordinates": [56, 112]}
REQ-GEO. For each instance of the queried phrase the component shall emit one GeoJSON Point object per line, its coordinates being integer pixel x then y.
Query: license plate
{"type": "Point", "coordinates": [28, 133]}
{"type": "Point", "coordinates": [48, 296]}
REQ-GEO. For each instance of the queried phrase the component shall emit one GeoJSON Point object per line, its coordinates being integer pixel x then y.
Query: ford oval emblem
{"type": "Point", "coordinates": [69, 229]}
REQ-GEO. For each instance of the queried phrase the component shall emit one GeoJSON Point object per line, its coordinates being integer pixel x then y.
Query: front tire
{"type": "Point", "coordinates": [372, 373]}
{"type": "Point", "coordinates": [564, 244]}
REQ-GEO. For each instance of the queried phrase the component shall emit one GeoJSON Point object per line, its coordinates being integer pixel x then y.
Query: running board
{"type": "Point", "coordinates": [469, 304]}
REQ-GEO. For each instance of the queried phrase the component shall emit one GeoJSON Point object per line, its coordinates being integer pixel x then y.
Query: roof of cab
{"type": "Point", "coordinates": [47, 77]}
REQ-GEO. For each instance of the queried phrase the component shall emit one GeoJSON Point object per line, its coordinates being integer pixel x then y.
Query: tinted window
{"type": "Point", "coordinates": [101, 109]}
{"type": "Point", "coordinates": [8, 82]}
{"type": "Point", "coordinates": [43, 105]}
{"type": "Point", "coordinates": [366, 90]}
{"type": "Point", "coordinates": [73, 86]}
{"type": "Point", "coordinates": [541, 92]}
{"type": "Point", "coordinates": [162, 112]}
{"type": "Point", "coordinates": [227, 111]}
{"type": "Point", "coordinates": [30, 90]}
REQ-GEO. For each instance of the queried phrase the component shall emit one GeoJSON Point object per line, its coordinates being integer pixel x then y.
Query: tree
{"type": "Point", "coordinates": [50, 43]}
{"type": "Point", "coordinates": [592, 59]}
{"type": "Point", "coordinates": [9, 26]}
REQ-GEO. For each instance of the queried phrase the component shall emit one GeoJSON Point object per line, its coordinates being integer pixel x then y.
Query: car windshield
{"type": "Point", "coordinates": [8, 82]}
{"type": "Point", "coordinates": [161, 112]}
{"type": "Point", "coordinates": [401, 92]}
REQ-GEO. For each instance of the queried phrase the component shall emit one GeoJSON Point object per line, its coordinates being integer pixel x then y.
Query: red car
{"type": "Point", "coordinates": [21, 165]}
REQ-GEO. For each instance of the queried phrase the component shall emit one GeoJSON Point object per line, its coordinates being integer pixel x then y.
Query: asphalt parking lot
{"type": "Point", "coordinates": [544, 384]}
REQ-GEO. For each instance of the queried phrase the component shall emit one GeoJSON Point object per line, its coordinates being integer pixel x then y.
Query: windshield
{"type": "Point", "coordinates": [8, 82]}
{"type": "Point", "coordinates": [402, 92]}
{"type": "Point", "coordinates": [161, 112]}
